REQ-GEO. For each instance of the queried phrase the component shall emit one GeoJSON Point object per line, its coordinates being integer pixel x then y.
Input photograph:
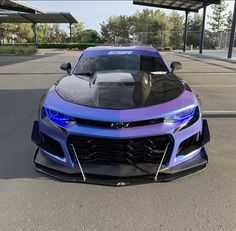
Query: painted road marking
{"type": "Point", "coordinates": [219, 114]}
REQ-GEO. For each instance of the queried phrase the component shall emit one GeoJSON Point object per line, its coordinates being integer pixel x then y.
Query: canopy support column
{"type": "Point", "coordinates": [202, 30]}
{"type": "Point", "coordinates": [70, 25]}
{"type": "Point", "coordinates": [35, 34]}
{"type": "Point", "coordinates": [185, 30]}
{"type": "Point", "coordinates": [232, 35]}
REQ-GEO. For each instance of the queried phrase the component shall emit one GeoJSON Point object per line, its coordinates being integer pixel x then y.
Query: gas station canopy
{"type": "Point", "coordinates": [185, 5]}
{"type": "Point", "coordinates": [49, 17]}
{"type": "Point", "coordinates": [26, 13]}
{"type": "Point", "coordinates": [20, 6]}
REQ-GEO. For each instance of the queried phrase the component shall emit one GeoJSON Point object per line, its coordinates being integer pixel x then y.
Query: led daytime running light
{"type": "Point", "coordinates": [183, 115]}
{"type": "Point", "coordinates": [56, 116]}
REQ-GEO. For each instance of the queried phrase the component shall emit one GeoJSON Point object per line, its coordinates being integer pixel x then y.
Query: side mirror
{"type": "Point", "coordinates": [175, 66]}
{"type": "Point", "coordinates": [66, 67]}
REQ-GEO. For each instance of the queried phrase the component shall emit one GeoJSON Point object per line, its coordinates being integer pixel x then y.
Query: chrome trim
{"type": "Point", "coordinates": [120, 125]}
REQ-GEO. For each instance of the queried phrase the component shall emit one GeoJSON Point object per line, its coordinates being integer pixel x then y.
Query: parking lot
{"type": "Point", "coordinates": [32, 201]}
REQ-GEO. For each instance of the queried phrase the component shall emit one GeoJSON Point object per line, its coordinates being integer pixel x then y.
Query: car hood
{"type": "Point", "coordinates": [119, 90]}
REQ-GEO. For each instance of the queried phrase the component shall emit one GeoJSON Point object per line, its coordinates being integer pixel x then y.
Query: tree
{"type": "Point", "coordinates": [177, 25]}
{"type": "Point", "coordinates": [46, 33]}
{"type": "Point", "coordinates": [194, 27]}
{"type": "Point", "coordinates": [7, 30]}
{"type": "Point", "coordinates": [115, 26]}
{"type": "Point", "coordinates": [142, 21]}
{"type": "Point", "coordinates": [229, 21]}
{"type": "Point", "coordinates": [50, 33]}
{"type": "Point", "coordinates": [43, 32]}
{"type": "Point", "coordinates": [3, 28]}
{"type": "Point", "coordinates": [57, 35]}
{"type": "Point", "coordinates": [218, 18]}
{"type": "Point", "coordinates": [77, 29]}
{"type": "Point", "coordinates": [89, 36]}
{"type": "Point", "coordinates": [24, 33]}
{"type": "Point", "coordinates": [195, 23]}
{"type": "Point", "coordinates": [151, 27]}
{"type": "Point", "coordinates": [148, 26]}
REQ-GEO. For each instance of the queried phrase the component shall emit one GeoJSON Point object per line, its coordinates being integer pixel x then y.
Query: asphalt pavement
{"type": "Point", "coordinates": [32, 201]}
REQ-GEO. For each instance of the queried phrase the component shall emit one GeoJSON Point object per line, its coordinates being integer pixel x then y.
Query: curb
{"type": "Point", "coordinates": [219, 114]}
{"type": "Point", "coordinates": [206, 56]}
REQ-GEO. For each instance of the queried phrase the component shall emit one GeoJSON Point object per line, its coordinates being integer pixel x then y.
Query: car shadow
{"type": "Point", "coordinates": [18, 111]}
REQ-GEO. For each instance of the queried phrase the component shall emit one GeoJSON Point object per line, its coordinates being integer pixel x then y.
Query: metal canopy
{"type": "Point", "coordinates": [20, 6]}
{"type": "Point", "coordinates": [185, 5]}
{"type": "Point", "coordinates": [60, 17]}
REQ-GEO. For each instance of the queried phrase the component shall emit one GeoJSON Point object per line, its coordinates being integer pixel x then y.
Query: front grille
{"type": "Point", "coordinates": [138, 150]}
{"type": "Point", "coordinates": [113, 125]}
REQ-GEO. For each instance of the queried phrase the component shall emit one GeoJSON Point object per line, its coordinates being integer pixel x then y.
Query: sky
{"type": "Point", "coordinates": [92, 13]}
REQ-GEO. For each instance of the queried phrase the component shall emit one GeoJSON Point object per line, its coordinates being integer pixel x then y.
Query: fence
{"type": "Point", "coordinates": [119, 41]}
{"type": "Point", "coordinates": [174, 39]}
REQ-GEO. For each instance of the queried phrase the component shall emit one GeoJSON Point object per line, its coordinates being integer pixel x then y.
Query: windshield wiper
{"type": "Point", "coordinates": [86, 74]}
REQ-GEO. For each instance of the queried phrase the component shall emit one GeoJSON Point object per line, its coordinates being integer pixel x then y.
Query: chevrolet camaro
{"type": "Point", "coordinates": [120, 116]}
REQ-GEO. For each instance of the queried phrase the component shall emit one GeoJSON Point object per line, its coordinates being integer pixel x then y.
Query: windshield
{"type": "Point", "coordinates": [119, 62]}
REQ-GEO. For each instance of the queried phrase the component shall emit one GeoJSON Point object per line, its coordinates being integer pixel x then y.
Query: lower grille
{"type": "Point", "coordinates": [189, 145]}
{"type": "Point", "coordinates": [138, 150]}
{"type": "Point", "coordinates": [50, 145]}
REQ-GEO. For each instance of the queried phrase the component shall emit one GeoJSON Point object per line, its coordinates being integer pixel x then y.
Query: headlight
{"type": "Point", "coordinates": [57, 117]}
{"type": "Point", "coordinates": [181, 116]}
{"type": "Point", "coordinates": [185, 118]}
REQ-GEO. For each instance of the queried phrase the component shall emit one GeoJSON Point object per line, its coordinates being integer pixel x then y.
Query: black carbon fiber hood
{"type": "Point", "coordinates": [119, 90]}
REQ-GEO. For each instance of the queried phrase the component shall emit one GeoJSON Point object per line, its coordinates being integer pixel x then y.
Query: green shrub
{"type": "Point", "coordinates": [17, 45]}
{"type": "Point", "coordinates": [159, 48]}
{"type": "Point", "coordinates": [79, 46]}
{"type": "Point", "coordinates": [167, 49]}
{"type": "Point", "coordinates": [164, 48]}
{"type": "Point", "coordinates": [17, 50]}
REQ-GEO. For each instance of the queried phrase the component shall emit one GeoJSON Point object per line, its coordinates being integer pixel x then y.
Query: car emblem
{"type": "Point", "coordinates": [119, 125]}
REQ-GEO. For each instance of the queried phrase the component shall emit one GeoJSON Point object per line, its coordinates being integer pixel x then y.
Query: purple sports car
{"type": "Point", "coordinates": [119, 117]}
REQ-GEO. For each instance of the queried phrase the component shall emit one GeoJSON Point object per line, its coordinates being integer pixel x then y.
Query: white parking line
{"type": "Point", "coordinates": [219, 114]}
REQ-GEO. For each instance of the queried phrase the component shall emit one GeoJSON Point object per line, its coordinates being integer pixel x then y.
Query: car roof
{"type": "Point", "coordinates": [128, 48]}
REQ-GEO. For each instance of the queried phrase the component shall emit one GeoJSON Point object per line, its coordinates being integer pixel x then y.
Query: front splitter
{"type": "Point", "coordinates": [63, 173]}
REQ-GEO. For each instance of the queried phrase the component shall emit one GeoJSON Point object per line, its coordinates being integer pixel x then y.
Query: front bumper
{"type": "Point", "coordinates": [60, 172]}
{"type": "Point", "coordinates": [121, 174]}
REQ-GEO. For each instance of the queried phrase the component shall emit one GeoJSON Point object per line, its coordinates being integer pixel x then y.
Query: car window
{"type": "Point", "coordinates": [151, 64]}
{"type": "Point", "coordinates": [118, 62]}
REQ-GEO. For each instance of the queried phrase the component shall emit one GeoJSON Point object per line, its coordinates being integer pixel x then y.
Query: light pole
{"type": "Point", "coordinates": [232, 35]}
